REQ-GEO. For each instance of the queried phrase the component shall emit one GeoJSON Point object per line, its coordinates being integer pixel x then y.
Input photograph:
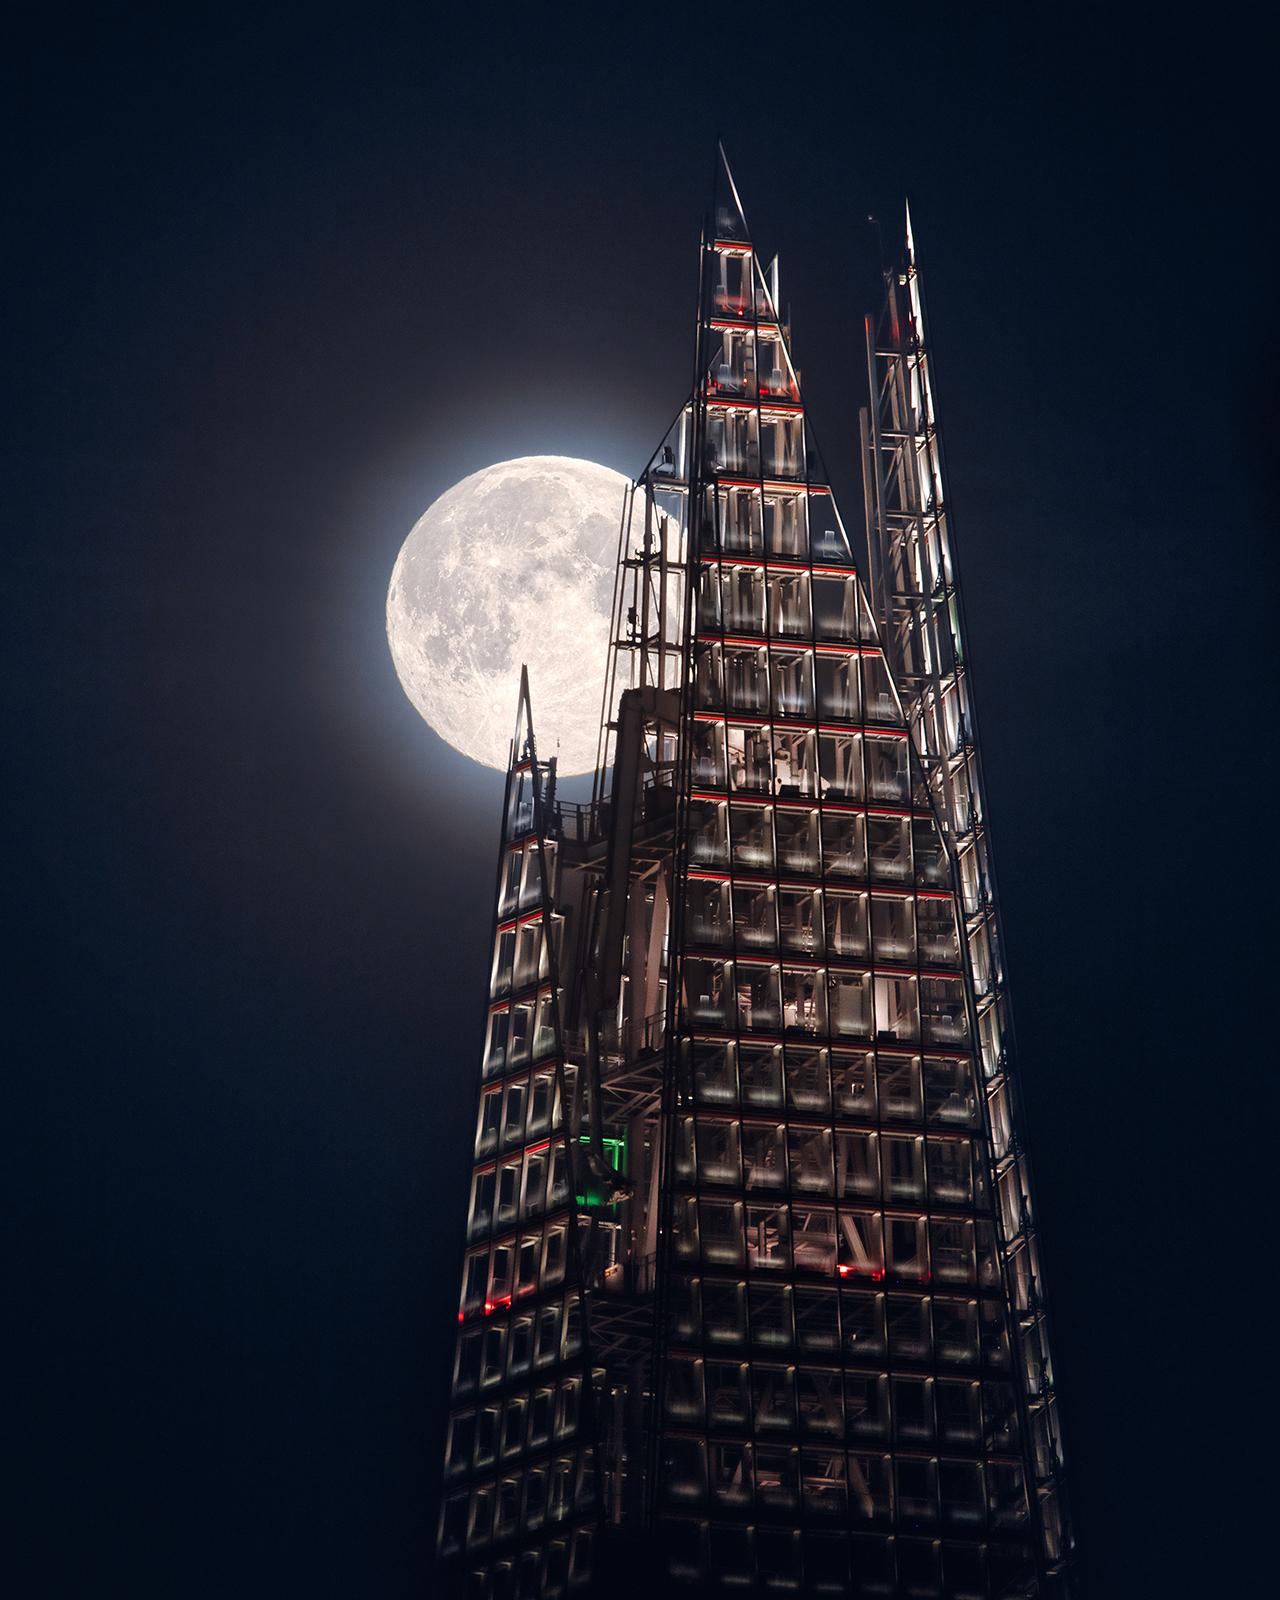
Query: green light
{"type": "Point", "coordinates": [616, 1154]}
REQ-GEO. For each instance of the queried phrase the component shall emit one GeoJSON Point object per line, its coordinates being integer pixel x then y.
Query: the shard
{"type": "Point", "coordinates": [751, 1301]}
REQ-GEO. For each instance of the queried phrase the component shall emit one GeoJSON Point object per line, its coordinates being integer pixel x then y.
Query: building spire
{"type": "Point", "coordinates": [729, 220]}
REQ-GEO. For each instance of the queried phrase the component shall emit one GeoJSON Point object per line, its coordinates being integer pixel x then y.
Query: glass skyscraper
{"type": "Point", "coordinates": [751, 1300]}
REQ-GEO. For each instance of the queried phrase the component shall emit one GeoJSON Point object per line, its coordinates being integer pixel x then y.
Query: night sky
{"type": "Point", "coordinates": [281, 279]}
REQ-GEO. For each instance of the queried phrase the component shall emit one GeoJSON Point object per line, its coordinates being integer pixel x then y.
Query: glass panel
{"type": "Point", "coordinates": [893, 927]}
{"type": "Point", "coordinates": [857, 1165]}
{"type": "Point", "coordinates": [814, 1240]}
{"type": "Point", "coordinates": [897, 1014]}
{"type": "Point", "coordinates": [794, 764]}
{"type": "Point", "coordinates": [746, 680]}
{"type": "Point", "coordinates": [866, 1401]}
{"type": "Point", "coordinates": [838, 694]}
{"type": "Point", "coordinates": [848, 1003]}
{"type": "Point", "coordinates": [804, 1009]}
{"type": "Point", "coordinates": [758, 1000]}
{"type": "Point", "coordinates": [797, 840]}
{"type": "Point", "coordinates": [760, 1069]}
{"type": "Point", "coordinates": [878, 696]}
{"type": "Point", "coordinates": [764, 1155]}
{"type": "Point", "coordinates": [708, 832]}
{"type": "Point", "coordinates": [854, 1083]}
{"type": "Point", "coordinates": [792, 675]}
{"type": "Point", "coordinates": [840, 765]}
{"type": "Point", "coordinates": [844, 843]}
{"type": "Point", "coordinates": [808, 1080]}
{"type": "Point", "coordinates": [889, 848]}
{"type": "Point", "coordinates": [900, 1087]}
{"type": "Point", "coordinates": [755, 917]}
{"type": "Point", "coordinates": [768, 1237]}
{"type": "Point", "coordinates": [706, 917]}
{"type": "Point", "coordinates": [752, 834]}
{"type": "Point", "coordinates": [750, 767]}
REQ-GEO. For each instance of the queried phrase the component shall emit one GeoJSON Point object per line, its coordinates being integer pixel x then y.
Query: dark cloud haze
{"type": "Point", "coordinates": [281, 278]}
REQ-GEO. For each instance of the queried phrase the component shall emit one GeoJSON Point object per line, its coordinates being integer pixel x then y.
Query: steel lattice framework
{"type": "Point", "coordinates": [750, 1294]}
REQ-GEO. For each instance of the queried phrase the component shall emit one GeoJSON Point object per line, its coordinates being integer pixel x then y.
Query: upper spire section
{"type": "Point", "coordinates": [752, 451]}
{"type": "Point", "coordinates": [728, 221]}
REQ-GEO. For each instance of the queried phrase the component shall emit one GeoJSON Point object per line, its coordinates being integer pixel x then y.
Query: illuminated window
{"type": "Point", "coordinates": [838, 695]}
{"type": "Point", "coordinates": [848, 996]}
{"type": "Point", "coordinates": [792, 675]}
{"type": "Point", "coordinates": [948, 1092]}
{"type": "Point", "coordinates": [822, 1474]}
{"type": "Point", "coordinates": [889, 848]}
{"type": "Point", "coordinates": [905, 1246]}
{"type": "Point", "coordinates": [878, 696]}
{"type": "Point", "coordinates": [846, 922]}
{"type": "Point", "coordinates": [768, 1237]}
{"type": "Point", "coordinates": [746, 678]}
{"type": "Point", "coordinates": [903, 1159]}
{"type": "Point", "coordinates": [721, 1232]}
{"type": "Point", "coordinates": [797, 831]}
{"type": "Point", "coordinates": [706, 916]}
{"type": "Point", "coordinates": [813, 1240]}
{"type": "Point", "coordinates": [893, 931]}
{"type": "Point", "coordinates": [910, 1328]}
{"type": "Point", "coordinates": [789, 603]}
{"type": "Point", "coordinates": [728, 1399]}
{"type": "Point", "coordinates": [866, 1400]}
{"type": "Point", "coordinates": [714, 1073]}
{"type": "Point", "coordinates": [959, 1416]}
{"type": "Point", "coordinates": [764, 1155]}
{"type": "Point", "coordinates": [804, 1008]}
{"type": "Point", "coordinates": [819, 1400]}
{"type": "Point", "coordinates": [725, 1312]}
{"type": "Point", "coordinates": [708, 832]}
{"type": "Point", "coordinates": [683, 1389]}
{"type": "Point", "coordinates": [943, 1011]}
{"type": "Point", "coordinates": [461, 1442]}
{"type": "Point", "coordinates": [844, 844]}
{"type": "Point", "coordinates": [760, 1070]}
{"type": "Point", "coordinates": [897, 1006]}
{"type": "Point", "coordinates": [707, 744]}
{"type": "Point", "coordinates": [857, 1166]}
{"type": "Point", "coordinates": [800, 920]}
{"type": "Point", "coordinates": [751, 831]}
{"type": "Point", "coordinates": [755, 923]}
{"type": "Point", "coordinates": [869, 1495]}
{"type": "Point", "coordinates": [854, 1083]}
{"type": "Point", "coordinates": [794, 764]}
{"type": "Point", "coordinates": [936, 930]}
{"type": "Point", "coordinates": [808, 1079]}
{"type": "Point", "coordinates": [810, 1159]}
{"type": "Point", "coordinates": [955, 1324]}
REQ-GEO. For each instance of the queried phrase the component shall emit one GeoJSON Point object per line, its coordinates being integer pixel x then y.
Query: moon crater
{"type": "Point", "coordinates": [514, 564]}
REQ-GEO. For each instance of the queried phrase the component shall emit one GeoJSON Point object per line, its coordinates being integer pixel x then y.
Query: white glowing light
{"type": "Point", "coordinates": [513, 565]}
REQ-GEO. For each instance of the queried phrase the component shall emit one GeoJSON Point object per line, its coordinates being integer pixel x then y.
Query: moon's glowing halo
{"type": "Point", "coordinates": [514, 564]}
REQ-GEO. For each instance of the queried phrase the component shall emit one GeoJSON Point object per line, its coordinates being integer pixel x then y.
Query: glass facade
{"type": "Point", "coordinates": [746, 1129]}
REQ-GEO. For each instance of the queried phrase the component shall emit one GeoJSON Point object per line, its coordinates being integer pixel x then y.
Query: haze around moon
{"type": "Point", "coordinates": [514, 564]}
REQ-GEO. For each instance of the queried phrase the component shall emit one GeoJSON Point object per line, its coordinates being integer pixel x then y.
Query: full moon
{"type": "Point", "coordinates": [512, 565]}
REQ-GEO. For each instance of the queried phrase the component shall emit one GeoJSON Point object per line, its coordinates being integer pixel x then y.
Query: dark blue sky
{"type": "Point", "coordinates": [281, 279]}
